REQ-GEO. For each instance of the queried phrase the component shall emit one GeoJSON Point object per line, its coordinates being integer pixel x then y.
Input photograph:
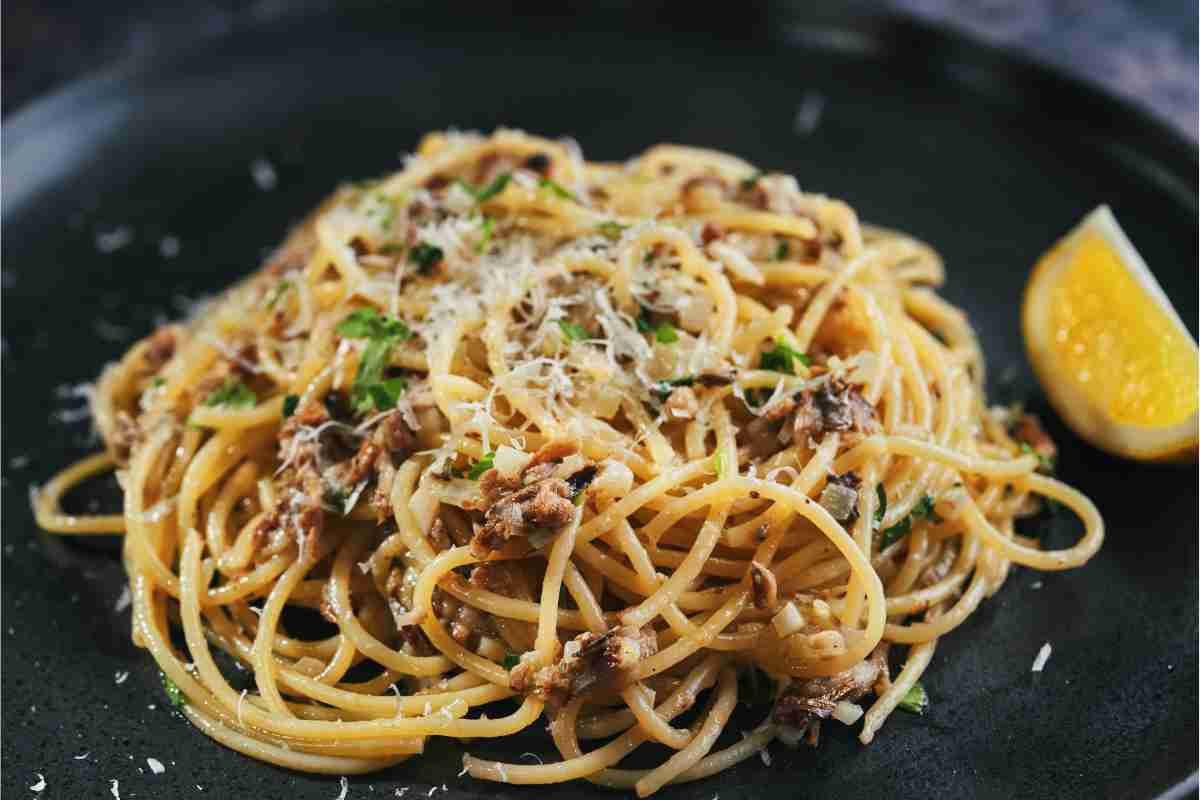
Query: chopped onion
{"type": "Point", "coordinates": [615, 479]}
{"type": "Point", "coordinates": [509, 461]}
{"type": "Point", "coordinates": [839, 501]}
{"type": "Point", "coordinates": [789, 620]}
{"type": "Point", "coordinates": [847, 713]}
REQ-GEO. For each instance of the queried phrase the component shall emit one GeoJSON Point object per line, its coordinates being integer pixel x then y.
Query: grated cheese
{"type": "Point", "coordinates": [1043, 656]}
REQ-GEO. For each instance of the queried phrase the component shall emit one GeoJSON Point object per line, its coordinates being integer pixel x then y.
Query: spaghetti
{"type": "Point", "coordinates": [593, 437]}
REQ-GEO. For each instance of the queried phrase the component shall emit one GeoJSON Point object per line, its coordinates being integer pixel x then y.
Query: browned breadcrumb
{"type": "Point", "coordinates": [803, 702]}
{"type": "Point", "coordinates": [589, 661]}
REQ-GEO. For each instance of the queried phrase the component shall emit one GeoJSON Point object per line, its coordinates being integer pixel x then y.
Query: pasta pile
{"type": "Point", "coordinates": [595, 437]}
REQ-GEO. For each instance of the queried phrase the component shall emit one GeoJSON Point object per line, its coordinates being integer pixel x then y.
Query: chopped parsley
{"type": "Point", "coordinates": [289, 405]}
{"type": "Point", "coordinates": [749, 183]}
{"type": "Point", "coordinates": [425, 256]}
{"type": "Point", "coordinates": [923, 509]}
{"type": "Point", "coordinates": [611, 230]}
{"type": "Point", "coordinates": [1045, 463]}
{"type": "Point", "coordinates": [719, 463]}
{"type": "Point", "coordinates": [233, 394]}
{"type": "Point", "coordinates": [664, 388]}
{"type": "Point", "coordinates": [755, 687]}
{"type": "Point", "coordinates": [337, 499]}
{"type": "Point", "coordinates": [488, 226]}
{"type": "Point", "coordinates": [481, 466]}
{"type": "Point", "coordinates": [277, 292]}
{"type": "Point", "coordinates": [574, 331]}
{"type": "Point", "coordinates": [510, 661]}
{"type": "Point", "coordinates": [665, 333]}
{"type": "Point", "coordinates": [370, 389]}
{"type": "Point", "coordinates": [385, 209]}
{"type": "Point", "coordinates": [492, 189]}
{"type": "Point", "coordinates": [881, 508]}
{"type": "Point", "coordinates": [915, 700]}
{"type": "Point", "coordinates": [386, 393]}
{"type": "Point", "coordinates": [783, 358]}
{"type": "Point", "coordinates": [781, 250]}
{"type": "Point", "coordinates": [643, 324]}
{"type": "Point", "coordinates": [558, 189]}
{"type": "Point", "coordinates": [158, 381]}
{"type": "Point", "coordinates": [368, 323]}
{"type": "Point", "coordinates": [175, 695]}
{"type": "Point", "coordinates": [486, 193]}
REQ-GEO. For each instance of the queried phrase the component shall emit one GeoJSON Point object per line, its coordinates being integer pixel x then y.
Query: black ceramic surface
{"type": "Point", "coordinates": [987, 159]}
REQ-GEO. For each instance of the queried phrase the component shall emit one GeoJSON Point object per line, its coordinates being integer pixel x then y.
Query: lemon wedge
{"type": "Point", "coordinates": [1115, 359]}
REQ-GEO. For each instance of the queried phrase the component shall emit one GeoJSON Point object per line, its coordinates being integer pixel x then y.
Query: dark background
{"type": "Point", "coordinates": [1144, 51]}
{"type": "Point", "coordinates": [1123, 673]}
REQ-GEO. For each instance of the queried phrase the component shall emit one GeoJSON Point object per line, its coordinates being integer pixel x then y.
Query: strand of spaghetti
{"type": "Point", "coordinates": [874, 446]}
{"type": "Point", "coordinates": [47, 501]}
{"type": "Point", "coordinates": [579, 765]}
{"type": "Point", "coordinates": [636, 696]}
{"type": "Point", "coordinates": [423, 604]}
{"type": "Point", "coordinates": [701, 743]}
{"type": "Point", "coordinates": [919, 657]}
{"type": "Point", "coordinates": [927, 631]}
{"type": "Point", "coordinates": [338, 594]}
{"type": "Point", "coordinates": [546, 644]}
{"type": "Point", "coordinates": [1084, 549]}
{"type": "Point", "coordinates": [284, 756]}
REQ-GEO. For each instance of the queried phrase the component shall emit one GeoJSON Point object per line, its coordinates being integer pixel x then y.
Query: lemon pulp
{"type": "Point", "coordinates": [1117, 344]}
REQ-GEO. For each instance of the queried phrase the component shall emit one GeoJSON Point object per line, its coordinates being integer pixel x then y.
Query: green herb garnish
{"type": "Point", "coordinates": [385, 394]}
{"type": "Point", "coordinates": [719, 463]}
{"type": "Point", "coordinates": [915, 700]}
{"type": "Point", "coordinates": [336, 498]}
{"type": "Point", "coordinates": [370, 390]}
{"type": "Point", "coordinates": [881, 506]}
{"type": "Point", "coordinates": [510, 660]}
{"type": "Point", "coordinates": [781, 250]}
{"type": "Point", "coordinates": [158, 381]}
{"type": "Point", "coordinates": [481, 466]}
{"type": "Point", "coordinates": [492, 189]}
{"type": "Point", "coordinates": [368, 323]}
{"type": "Point", "coordinates": [665, 387]}
{"type": "Point", "coordinates": [425, 256]}
{"type": "Point", "coordinates": [385, 209]}
{"type": "Point", "coordinates": [289, 405]}
{"type": "Point", "coordinates": [558, 189]}
{"type": "Point", "coordinates": [665, 333]}
{"type": "Point", "coordinates": [643, 325]}
{"type": "Point", "coordinates": [783, 359]}
{"type": "Point", "coordinates": [482, 195]}
{"type": "Point", "coordinates": [922, 509]}
{"type": "Point", "coordinates": [277, 292]}
{"type": "Point", "coordinates": [749, 183]}
{"type": "Point", "coordinates": [1045, 463]}
{"type": "Point", "coordinates": [611, 230]}
{"type": "Point", "coordinates": [489, 225]}
{"type": "Point", "coordinates": [234, 394]}
{"type": "Point", "coordinates": [175, 695]}
{"type": "Point", "coordinates": [574, 331]}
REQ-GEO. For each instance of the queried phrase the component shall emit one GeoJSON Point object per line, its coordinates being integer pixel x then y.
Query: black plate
{"type": "Point", "coordinates": [987, 158]}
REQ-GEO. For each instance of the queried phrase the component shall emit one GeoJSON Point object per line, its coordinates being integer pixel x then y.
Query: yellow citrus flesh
{"type": "Point", "coordinates": [1113, 339]}
{"type": "Point", "coordinates": [1116, 361]}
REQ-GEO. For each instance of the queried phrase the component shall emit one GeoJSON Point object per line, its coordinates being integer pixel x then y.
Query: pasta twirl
{"type": "Point", "coordinates": [591, 436]}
